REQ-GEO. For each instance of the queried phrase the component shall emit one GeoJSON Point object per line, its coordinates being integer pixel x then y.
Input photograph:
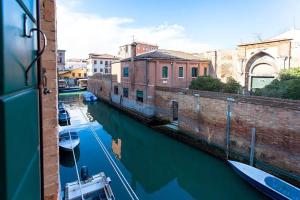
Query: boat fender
{"type": "Point", "coordinates": [84, 173]}
{"type": "Point", "coordinates": [108, 180]}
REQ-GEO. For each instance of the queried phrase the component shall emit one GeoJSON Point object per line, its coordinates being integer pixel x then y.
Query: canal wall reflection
{"type": "Point", "coordinates": [154, 160]}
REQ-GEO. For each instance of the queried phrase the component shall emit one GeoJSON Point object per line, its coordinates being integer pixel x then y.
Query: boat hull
{"type": "Point", "coordinates": [261, 184]}
{"type": "Point", "coordinates": [66, 90]}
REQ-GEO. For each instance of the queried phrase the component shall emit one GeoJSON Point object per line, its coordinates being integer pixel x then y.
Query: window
{"type": "Point", "coordinates": [101, 70]}
{"type": "Point", "coordinates": [180, 72]}
{"type": "Point", "coordinates": [125, 72]}
{"type": "Point", "coordinates": [84, 74]}
{"type": "Point", "coordinates": [205, 71]}
{"type": "Point", "coordinates": [194, 72]}
{"type": "Point", "coordinates": [116, 90]}
{"type": "Point", "coordinates": [95, 62]}
{"type": "Point", "coordinates": [73, 74]}
{"type": "Point", "coordinates": [101, 62]}
{"type": "Point", "coordinates": [165, 72]}
{"type": "Point", "coordinates": [125, 92]}
{"type": "Point", "coordinates": [106, 62]}
{"type": "Point", "coordinates": [106, 71]}
{"type": "Point", "coordinates": [79, 74]}
{"type": "Point", "coordinates": [139, 96]}
{"type": "Point", "coordinates": [95, 69]}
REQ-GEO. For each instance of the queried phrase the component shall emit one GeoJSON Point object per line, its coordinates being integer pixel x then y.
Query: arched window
{"type": "Point", "coordinates": [165, 72]}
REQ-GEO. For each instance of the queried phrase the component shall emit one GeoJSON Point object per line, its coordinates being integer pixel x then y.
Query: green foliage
{"type": "Point", "coordinates": [206, 83]}
{"type": "Point", "coordinates": [232, 86]}
{"type": "Point", "coordinates": [287, 86]}
{"type": "Point", "coordinates": [214, 84]}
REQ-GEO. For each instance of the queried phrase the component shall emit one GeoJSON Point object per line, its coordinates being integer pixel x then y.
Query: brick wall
{"type": "Point", "coordinates": [277, 124]}
{"type": "Point", "coordinates": [49, 102]}
{"type": "Point", "coordinates": [101, 85]}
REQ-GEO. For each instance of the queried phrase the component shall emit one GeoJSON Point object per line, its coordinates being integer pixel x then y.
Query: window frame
{"type": "Point", "coordinates": [205, 71]}
{"type": "Point", "coordinates": [95, 62]}
{"type": "Point", "coordinates": [95, 70]}
{"type": "Point", "coordinates": [165, 74]}
{"type": "Point", "coordinates": [138, 98]}
{"type": "Point", "coordinates": [126, 94]}
{"type": "Point", "coordinates": [197, 72]}
{"type": "Point", "coordinates": [180, 67]}
{"type": "Point", "coordinates": [127, 74]}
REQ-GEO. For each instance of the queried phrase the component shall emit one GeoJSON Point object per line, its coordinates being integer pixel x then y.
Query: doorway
{"type": "Point", "coordinates": [175, 110]}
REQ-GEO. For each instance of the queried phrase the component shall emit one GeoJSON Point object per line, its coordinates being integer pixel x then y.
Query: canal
{"type": "Point", "coordinates": [155, 165]}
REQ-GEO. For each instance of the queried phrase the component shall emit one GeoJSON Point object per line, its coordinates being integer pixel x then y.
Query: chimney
{"type": "Point", "coordinates": [133, 49]}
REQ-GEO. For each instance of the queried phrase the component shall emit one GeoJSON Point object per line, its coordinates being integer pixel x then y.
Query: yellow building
{"type": "Point", "coordinates": [77, 73]}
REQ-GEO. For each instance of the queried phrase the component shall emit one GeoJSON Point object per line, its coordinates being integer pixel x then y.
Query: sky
{"type": "Point", "coordinates": [101, 26]}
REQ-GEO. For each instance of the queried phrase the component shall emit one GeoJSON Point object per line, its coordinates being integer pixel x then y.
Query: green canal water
{"type": "Point", "coordinates": [155, 165]}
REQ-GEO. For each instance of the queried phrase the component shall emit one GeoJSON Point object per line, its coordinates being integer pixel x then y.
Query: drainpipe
{"type": "Point", "coordinates": [146, 81]}
{"type": "Point", "coordinates": [172, 73]}
{"type": "Point", "coordinates": [290, 52]}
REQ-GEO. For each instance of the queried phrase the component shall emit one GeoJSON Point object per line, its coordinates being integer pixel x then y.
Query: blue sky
{"type": "Point", "coordinates": [203, 23]}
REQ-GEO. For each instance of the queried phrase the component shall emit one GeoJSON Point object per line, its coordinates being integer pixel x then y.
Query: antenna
{"type": "Point", "coordinates": [294, 20]}
{"type": "Point", "coordinates": [258, 36]}
{"type": "Point", "coordinates": [132, 38]}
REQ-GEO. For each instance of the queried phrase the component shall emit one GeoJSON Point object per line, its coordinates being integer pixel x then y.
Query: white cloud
{"type": "Point", "coordinates": [82, 33]}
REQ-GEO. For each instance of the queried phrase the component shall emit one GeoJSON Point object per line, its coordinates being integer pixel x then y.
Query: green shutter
{"type": "Point", "coordinates": [19, 104]}
{"type": "Point", "coordinates": [165, 72]}
{"type": "Point", "coordinates": [125, 72]}
{"type": "Point", "coordinates": [139, 93]}
{"type": "Point", "coordinates": [180, 72]}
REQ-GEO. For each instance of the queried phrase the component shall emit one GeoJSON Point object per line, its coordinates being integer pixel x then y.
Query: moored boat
{"type": "Point", "coordinates": [68, 140]}
{"type": "Point", "coordinates": [89, 97]}
{"type": "Point", "coordinates": [64, 117]}
{"type": "Point", "coordinates": [94, 187]}
{"type": "Point", "coordinates": [270, 185]}
{"type": "Point", "coordinates": [70, 89]}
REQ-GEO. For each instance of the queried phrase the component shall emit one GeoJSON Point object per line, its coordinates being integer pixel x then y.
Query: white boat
{"type": "Point", "coordinates": [92, 188]}
{"type": "Point", "coordinates": [65, 142]}
{"type": "Point", "coordinates": [270, 185]}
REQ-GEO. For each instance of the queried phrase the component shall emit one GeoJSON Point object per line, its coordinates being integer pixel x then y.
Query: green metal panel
{"type": "Point", "coordinates": [260, 82]}
{"type": "Point", "coordinates": [19, 103]}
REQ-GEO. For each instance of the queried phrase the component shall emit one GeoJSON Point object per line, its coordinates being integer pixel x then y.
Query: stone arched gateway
{"type": "Point", "coordinates": [260, 70]}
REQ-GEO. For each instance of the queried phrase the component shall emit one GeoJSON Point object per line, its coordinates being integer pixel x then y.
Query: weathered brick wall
{"type": "Point", "coordinates": [277, 123]}
{"type": "Point", "coordinates": [49, 102]}
{"type": "Point", "coordinates": [101, 85]}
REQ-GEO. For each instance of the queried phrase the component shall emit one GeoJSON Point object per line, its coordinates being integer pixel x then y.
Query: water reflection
{"type": "Point", "coordinates": [66, 157]}
{"type": "Point", "coordinates": [116, 147]}
{"type": "Point", "coordinates": [155, 161]}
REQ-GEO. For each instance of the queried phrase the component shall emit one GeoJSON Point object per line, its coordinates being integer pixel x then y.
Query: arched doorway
{"type": "Point", "coordinates": [260, 71]}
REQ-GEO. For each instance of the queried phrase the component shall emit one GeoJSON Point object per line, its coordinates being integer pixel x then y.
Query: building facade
{"type": "Point", "coordinates": [141, 47]}
{"type": "Point", "coordinates": [255, 65]}
{"type": "Point", "coordinates": [74, 63]}
{"type": "Point", "coordinates": [61, 59]}
{"type": "Point", "coordinates": [77, 73]}
{"type": "Point", "coordinates": [100, 63]}
{"type": "Point", "coordinates": [140, 74]}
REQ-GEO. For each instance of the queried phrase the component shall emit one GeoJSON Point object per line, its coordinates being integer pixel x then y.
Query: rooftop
{"type": "Point", "coordinates": [144, 43]}
{"type": "Point", "coordinates": [103, 56]}
{"type": "Point", "coordinates": [166, 55]}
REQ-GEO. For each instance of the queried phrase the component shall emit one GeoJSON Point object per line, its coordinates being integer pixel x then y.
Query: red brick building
{"type": "Point", "coordinates": [141, 73]}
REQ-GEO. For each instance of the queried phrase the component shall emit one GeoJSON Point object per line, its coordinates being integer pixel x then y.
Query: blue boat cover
{"type": "Point", "coordinates": [283, 188]}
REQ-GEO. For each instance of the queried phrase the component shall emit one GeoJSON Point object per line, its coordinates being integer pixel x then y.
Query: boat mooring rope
{"type": "Point", "coordinates": [76, 167]}
{"type": "Point", "coordinates": [113, 164]}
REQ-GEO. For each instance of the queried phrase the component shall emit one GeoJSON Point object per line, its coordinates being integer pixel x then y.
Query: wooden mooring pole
{"type": "Point", "coordinates": [252, 146]}
{"type": "Point", "coordinates": [228, 124]}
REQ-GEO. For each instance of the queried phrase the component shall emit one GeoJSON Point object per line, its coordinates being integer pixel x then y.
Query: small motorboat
{"type": "Point", "coordinates": [89, 97]}
{"type": "Point", "coordinates": [61, 106]}
{"type": "Point", "coordinates": [66, 142]}
{"type": "Point", "coordinates": [90, 188]}
{"type": "Point", "coordinates": [268, 184]}
{"type": "Point", "coordinates": [63, 117]}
